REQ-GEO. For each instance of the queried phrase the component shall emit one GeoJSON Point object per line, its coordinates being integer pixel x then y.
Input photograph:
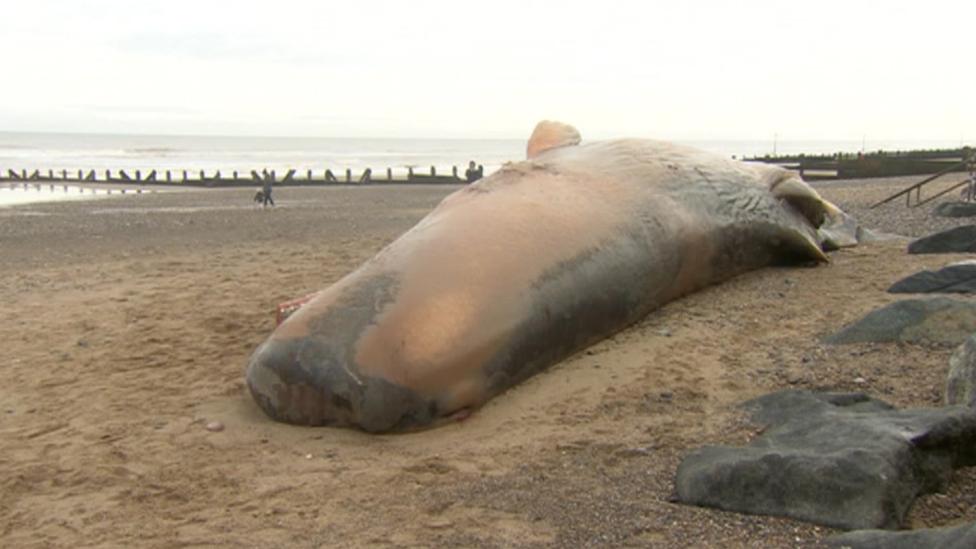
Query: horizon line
{"type": "Point", "coordinates": [774, 139]}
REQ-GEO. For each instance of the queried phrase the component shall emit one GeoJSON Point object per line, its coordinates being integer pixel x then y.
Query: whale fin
{"type": "Point", "coordinates": [551, 135]}
{"type": "Point", "coordinates": [835, 229]}
{"type": "Point", "coordinates": [788, 187]}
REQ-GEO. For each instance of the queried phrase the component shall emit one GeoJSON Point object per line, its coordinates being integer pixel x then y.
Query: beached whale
{"type": "Point", "coordinates": [514, 273]}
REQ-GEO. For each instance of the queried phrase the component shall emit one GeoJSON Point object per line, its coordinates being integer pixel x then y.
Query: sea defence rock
{"type": "Point", "coordinates": [959, 278]}
{"type": "Point", "coordinates": [957, 240]}
{"type": "Point", "coordinates": [939, 320]}
{"type": "Point", "coordinates": [961, 381]}
{"type": "Point", "coordinates": [838, 459]}
{"type": "Point", "coordinates": [955, 537]}
{"type": "Point", "coordinates": [956, 209]}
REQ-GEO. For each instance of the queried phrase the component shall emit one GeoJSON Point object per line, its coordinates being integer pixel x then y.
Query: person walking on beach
{"type": "Point", "coordinates": [266, 190]}
{"type": "Point", "coordinates": [472, 174]}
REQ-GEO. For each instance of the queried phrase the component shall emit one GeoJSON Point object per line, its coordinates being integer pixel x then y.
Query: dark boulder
{"type": "Point", "coordinates": [939, 320]}
{"type": "Point", "coordinates": [959, 278]}
{"type": "Point", "coordinates": [957, 240]}
{"type": "Point", "coordinates": [841, 460]}
{"type": "Point", "coordinates": [961, 381]}
{"type": "Point", "coordinates": [955, 209]}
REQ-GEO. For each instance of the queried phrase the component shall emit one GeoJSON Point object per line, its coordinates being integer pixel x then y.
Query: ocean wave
{"type": "Point", "coordinates": [114, 152]}
{"type": "Point", "coordinates": [162, 151]}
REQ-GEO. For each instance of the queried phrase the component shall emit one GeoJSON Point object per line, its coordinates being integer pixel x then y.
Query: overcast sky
{"type": "Point", "coordinates": [369, 68]}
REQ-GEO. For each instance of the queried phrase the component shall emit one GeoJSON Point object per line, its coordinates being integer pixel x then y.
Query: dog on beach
{"type": "Point", "coordinates": [259, 196]}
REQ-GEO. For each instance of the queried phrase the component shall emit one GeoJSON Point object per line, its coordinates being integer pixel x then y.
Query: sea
{"type": "Point", "coordinates": [20, 151]}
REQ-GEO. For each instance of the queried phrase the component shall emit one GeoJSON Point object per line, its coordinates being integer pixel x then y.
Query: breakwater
{"type": "Point", "coordinates": [873, 164]}
{"type": "Point", "coordinates": [235, 178]}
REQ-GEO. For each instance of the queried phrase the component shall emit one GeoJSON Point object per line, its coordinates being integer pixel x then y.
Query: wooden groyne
{"type": "Point", "coordinates": [874, 164]}
{"type": "Point", "coordinates": [217, 178]}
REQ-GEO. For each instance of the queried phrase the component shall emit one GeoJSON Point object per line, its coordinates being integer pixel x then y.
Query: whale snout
{"type": "Point", "coordinates": [288, 392]}
{"type": "Point", "coordinates": [306, 381]}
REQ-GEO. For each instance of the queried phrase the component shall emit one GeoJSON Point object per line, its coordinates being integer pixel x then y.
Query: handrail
{"type": "Point", "coordinates": [947, 191]}
{"type": "Point", "coordinates": [923, 182]}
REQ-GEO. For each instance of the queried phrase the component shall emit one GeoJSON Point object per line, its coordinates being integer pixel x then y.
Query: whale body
{"type": "Point", "coordinates": [525, 267]}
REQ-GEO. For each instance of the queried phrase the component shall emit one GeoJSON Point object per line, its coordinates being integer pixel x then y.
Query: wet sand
{"type": "Point", "coordinates": [129, 322]}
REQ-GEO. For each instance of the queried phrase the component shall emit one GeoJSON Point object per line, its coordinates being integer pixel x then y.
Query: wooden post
{"type": "Point", "coordinates": [389, 174]}
{"type": "Point", "coordinates": [108, 175]}
{"type": "Point", "coordinates": [169, 176]}
{"type": "Point", "coordinates": [184, 176]}
{"type": "Point", "coordinates": [79, 175]}
{"type": "Point", "coordinates": [138, 175]}
{"type": "Point", "coordinates": [309, 175]}
{"type": "Point", "coordinates": [409, 172]}
{"type": "Point", "coordinates": [348, 175]}
{"type": "Point", "coordinates": [235, 175]}
{"type": "Point", "coordinates": [202, 175]}
{"type": "Point", "coordinates": [433, 171]}
{"type": "Point", "coordinates": [454, 171]}
{"type": "Point", "coordinates": [50, 174]}
{"type": "Point", "coordinates": [64, 175]}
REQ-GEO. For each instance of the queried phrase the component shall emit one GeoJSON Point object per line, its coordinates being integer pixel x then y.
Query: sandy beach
{"type": "Point", "coordinates": [129, 321]}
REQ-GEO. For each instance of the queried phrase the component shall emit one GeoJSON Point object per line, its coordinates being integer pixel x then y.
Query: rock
{"type": "Point", "coordinates": [927, 320]}
{"type": "Point", "coordinates": [959, 239]}
{"type": "Point", "coordinates": [957, 537]}
{"type": "Point", "coordinates": [215, 426]}
{"type": "Point", "coordinates": [961, 381]}
{"type": "Point", "coordinates": [957, 278]}
{"type": "Point", "coordinates": [838, 459]}
{"type": "Point", "coordinates": [955, 209]}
